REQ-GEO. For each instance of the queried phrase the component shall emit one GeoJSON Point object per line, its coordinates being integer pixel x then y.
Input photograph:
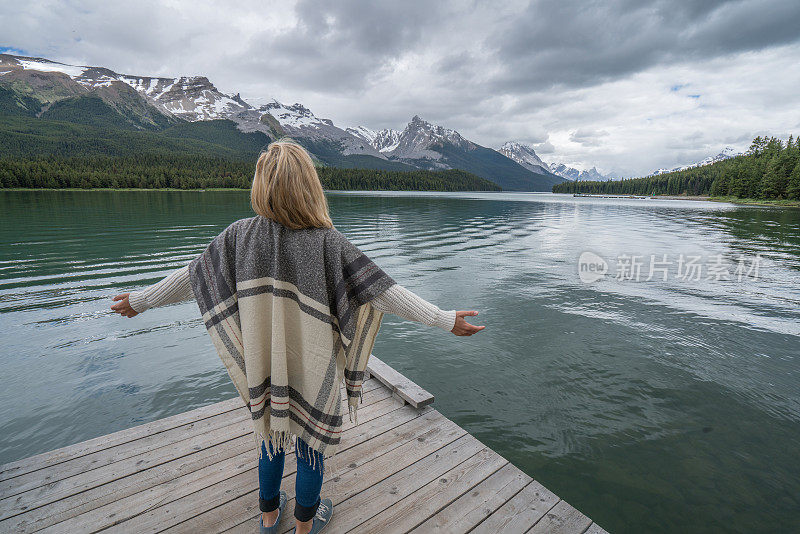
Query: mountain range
{"type": "Point", "coordinates": [727, 153]}
{"type": "Point", "coordinates": [526, 156]}
{"type": "Point", "coordinates": [99, 97]}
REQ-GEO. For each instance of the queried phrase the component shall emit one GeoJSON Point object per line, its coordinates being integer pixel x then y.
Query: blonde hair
{"type": "Point", "coordinates": [286, 188]}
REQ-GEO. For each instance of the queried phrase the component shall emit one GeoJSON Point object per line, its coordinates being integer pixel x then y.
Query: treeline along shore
{"type": "Point", "coordinates": [769, 170]}
{"type": "Point", "coordinates": [160, 171]}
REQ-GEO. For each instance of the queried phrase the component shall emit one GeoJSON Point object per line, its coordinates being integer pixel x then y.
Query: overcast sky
{"type": "Point", "coordinates": [625, 85]}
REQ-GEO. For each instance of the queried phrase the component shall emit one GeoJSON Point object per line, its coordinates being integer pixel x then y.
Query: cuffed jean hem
{"type": "Point", "coordinates": [305, 513]}
{"type": "Point", "coordinates": [268, 505]}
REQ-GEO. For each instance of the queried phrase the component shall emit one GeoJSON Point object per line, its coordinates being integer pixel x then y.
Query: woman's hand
{"type": "Point", "coordinates": [462, 327]}
{"type": "Point", "coordinates": [124, 307]}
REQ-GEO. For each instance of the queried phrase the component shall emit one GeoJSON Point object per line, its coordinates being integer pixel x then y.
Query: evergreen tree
{"type": "Point", "coordinates": [771, 186]}
{"type": "Point", "coordinates": [793, 187]}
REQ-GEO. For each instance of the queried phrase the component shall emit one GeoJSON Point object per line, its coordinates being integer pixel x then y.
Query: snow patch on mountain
{"type": "Point", "coordinates": [193, 98]}
{"type": "Point", "coordinates": [387, 140]}
{"type": "Point", "coordinates": [362, 132]}
{"type": "Point", "coordinates": [45, 65]}
{"type": "Point", "coordinates": [294, 116]}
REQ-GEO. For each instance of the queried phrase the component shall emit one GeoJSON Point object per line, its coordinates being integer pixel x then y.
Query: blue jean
{"type": "Point", "coordinates": [308, 481]}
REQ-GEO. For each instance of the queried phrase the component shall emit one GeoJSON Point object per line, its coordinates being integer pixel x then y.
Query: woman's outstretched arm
{"type": "Point", "coordinates": [176, 287]}
{"type": "Point", "coordinates": [401, 302]}
{"type": "Point", "coordinates": [396, 300]}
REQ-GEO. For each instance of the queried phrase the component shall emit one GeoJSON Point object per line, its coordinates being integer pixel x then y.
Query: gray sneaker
{"type": "Point", "coordinates": [322, 517]}
{"type": "Point", "coordinates": [274, 528]}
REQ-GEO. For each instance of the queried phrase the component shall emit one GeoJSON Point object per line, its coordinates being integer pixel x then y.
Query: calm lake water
{"type": "Point", "coordinates": [652, 406]}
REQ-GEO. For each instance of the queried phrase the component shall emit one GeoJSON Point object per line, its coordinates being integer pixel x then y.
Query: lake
{"type": "Point", "coordinates": [661, 397]}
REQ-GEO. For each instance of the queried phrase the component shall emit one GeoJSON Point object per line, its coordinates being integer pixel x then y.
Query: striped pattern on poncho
{"type": "Point", "coordinates": [289, 315]}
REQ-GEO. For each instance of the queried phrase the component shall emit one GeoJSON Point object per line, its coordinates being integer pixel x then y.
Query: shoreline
{"type": "Point", "coordinates": [199, 190]}
{"type": "Point", "coordinates": [782, 203]}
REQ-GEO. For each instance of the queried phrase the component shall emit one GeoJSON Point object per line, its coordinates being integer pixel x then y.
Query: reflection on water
{"type": "Point", "coordinates": [668, 406]}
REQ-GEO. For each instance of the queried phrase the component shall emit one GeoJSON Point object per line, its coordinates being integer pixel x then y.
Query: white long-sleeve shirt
{"type": "Point", "coordinates": [398, 300]}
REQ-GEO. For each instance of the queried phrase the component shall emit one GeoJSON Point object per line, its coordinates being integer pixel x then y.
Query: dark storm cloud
{"type": "Point", "coordinates": [578, 43]}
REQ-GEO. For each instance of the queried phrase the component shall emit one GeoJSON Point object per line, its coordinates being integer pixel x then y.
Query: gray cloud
{"type": "Point", "coordinates": [545, 148]}
{"type": "Point", "coordinates": [341, 45]}
{"type": "Point", "coordinates": [610, 83]}
{"type": "Point", "coordinates": [557, 43]}
{"type": "Point", "coordinates": [588, 137]}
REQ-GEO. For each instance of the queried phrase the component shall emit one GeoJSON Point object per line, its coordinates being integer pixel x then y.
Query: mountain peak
{"type": "Point", "coordinates": [294, 116]}
{"type": "Point", "coordinates": [418, 123]}
{"type": "Point", "coordinates": [525, 155]}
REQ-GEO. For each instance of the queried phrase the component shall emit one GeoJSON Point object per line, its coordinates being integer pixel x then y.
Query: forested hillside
{"type": "Point", "coordinates": [769, 170]}
{"type": "Point", "coordinates": [27, 137]}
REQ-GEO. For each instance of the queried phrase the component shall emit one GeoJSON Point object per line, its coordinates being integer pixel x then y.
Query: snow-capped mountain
{"type": "Point", "coordinates": [387, 140]}
{"type": "Point", "coordinates": [525, 155]}
{"type": "Point", "coordinates": [299, 121]}
{"type": "Point", "coordinates": [727, 153]}
{"type": "Point", "coordinates": [414, 142]}
{"type": "Point", "coordinates": [383, 140]}
{"type": "Point", "coordinates": [571, 173]}
{"type": "Point", "coordinates": [419, 140]}
{"type": "Point", "coordinates": [99, 96]}
{"type": "Point", "coordinates": [362, 132]}
{"type": "Point", "coordinates": [425, 145]}
{"type": "Point", "coordinates": [191, 98]}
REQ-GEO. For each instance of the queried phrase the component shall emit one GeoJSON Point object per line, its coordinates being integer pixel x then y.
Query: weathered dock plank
{"type": "Point", "coordinates": [399, 384]}
{"type": "Point", "coordinates": [404, 468]}
{"type": "Point", "coordinates": [464, 513]}
{"type": "Point", "coordinates": [562, 519]}
{"type": "Point", "coordinates": [44, 505]}
{"type": "Point", "coordinates": [521, 512]}
{"type": "Point", "coordinates": [241, 513]}
{"type": "Point", "coordinates": [47, 459]}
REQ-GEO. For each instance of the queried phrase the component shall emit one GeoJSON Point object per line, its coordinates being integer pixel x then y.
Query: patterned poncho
{"type": "Point", "coordinates": [289, 314]}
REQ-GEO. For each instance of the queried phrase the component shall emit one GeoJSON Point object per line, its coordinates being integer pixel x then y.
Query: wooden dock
{"type": "Point", "coordinates": [404, 468]}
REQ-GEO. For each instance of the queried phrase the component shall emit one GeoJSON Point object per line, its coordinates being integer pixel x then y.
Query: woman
{"type": "Point", "coordinates": [293, 309]}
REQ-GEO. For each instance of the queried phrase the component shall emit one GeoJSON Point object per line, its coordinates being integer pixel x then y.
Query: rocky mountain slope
{"type": "Point", "coordinates": [525, 155]}
{"type": "Point", "coordinates": [97, 96]}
